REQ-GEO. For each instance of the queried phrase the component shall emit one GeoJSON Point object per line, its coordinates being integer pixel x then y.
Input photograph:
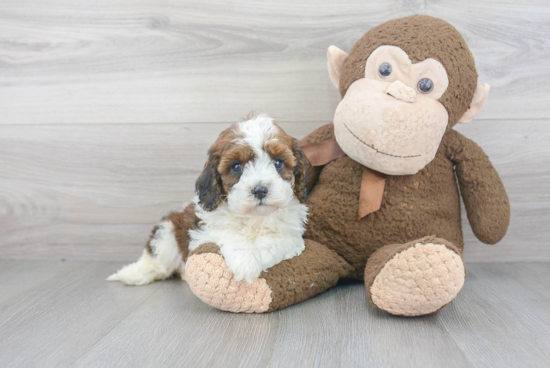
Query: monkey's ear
{"type": "Point", "coordinates": [478, 102]}
{"type": "Point", "coordinates": [209, 185]}
{"type": "Point", "coordinates": [336, 59]}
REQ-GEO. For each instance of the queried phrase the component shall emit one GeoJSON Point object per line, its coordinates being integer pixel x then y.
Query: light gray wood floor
{"type": "Point", "coordinates": [63, 314]}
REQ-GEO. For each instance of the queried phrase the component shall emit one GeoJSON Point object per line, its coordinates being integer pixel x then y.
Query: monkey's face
{"type": "Point", "coordinates": [391, 120]}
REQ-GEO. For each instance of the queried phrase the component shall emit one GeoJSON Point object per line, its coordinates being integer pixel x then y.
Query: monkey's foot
{"type": "Point", "coordinates": [207, 275]}
{"type": "Point", "coordinates": [416, 278]}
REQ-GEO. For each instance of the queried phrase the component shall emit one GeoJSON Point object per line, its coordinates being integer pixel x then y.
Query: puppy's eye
{"type": "Point", "coordinates": [278, 163]}
{"type": "Point", "coordinates": [237, 168]}
{"type": "Point", "coordinates": [385, 70]}
{"type": "Point", "coordinates": [425, 85]}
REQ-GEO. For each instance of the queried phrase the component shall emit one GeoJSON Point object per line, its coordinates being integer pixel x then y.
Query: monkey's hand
{"type": "Point", "coordinates": [486, 201]}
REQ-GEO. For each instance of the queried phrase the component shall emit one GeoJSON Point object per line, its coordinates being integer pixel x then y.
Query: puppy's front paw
{"type": "Point", "coordinates": [212, 282]}
{"type": "Point", "coordinates": [244, 267]}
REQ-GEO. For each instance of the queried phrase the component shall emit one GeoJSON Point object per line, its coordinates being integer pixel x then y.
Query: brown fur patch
{"type": "Point", "coordinates": [183, 222]}
{"type": "Point", "coordinates": [279, 150]}
{"type": "Point", "coordinates": [151, 237]}
{"type": "Point", "coordinates": [210, 185]}
{"type": "Point", "coordinates": [288, 149]}
{"type": "Point", "coordinates": [235, 153]}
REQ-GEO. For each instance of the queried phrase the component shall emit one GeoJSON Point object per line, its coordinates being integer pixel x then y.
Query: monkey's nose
{"type": "Point", "coordinates": [401, 91]}
{"type": "Point", "coordinates": [259, 192]}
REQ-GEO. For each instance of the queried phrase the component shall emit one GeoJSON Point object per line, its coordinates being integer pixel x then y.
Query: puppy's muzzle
{"type": "Point", "coordinates": [260, 192]}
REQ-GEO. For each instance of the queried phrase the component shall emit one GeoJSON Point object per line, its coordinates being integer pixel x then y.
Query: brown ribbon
{"type": "Point", "coordinates": [372, 183]}
{"type": "Point", "coordinates": [320, 154]}
{"type": "Point", "coordinates": [372, 191]}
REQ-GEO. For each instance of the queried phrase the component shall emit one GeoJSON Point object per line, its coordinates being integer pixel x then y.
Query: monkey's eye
{"type": "Point", "coordinates": [278, 164]}
{"type": "Point", "coordinates": [425, 85]}
{"type": "Point", "coordinates": [385, 70]}
{"type": "Point", "coordinates": [237, 168]}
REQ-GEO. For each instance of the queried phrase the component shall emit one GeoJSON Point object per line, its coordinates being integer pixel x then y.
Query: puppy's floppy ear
{"type": "Point", "coordinates": [300, 172]}
{"type": "Point", "coordinates": [209, 185]}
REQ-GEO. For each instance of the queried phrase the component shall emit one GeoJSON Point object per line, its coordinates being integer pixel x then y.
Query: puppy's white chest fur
{"type": "Point", "coordinates": [251, 244]}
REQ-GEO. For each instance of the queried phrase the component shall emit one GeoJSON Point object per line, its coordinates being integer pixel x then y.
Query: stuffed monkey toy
{"type": "Point", "coordinates": [385, 181]}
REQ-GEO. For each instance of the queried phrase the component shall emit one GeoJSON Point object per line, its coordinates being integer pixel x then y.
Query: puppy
{"type": "Point", "coordinates": [250, 202]}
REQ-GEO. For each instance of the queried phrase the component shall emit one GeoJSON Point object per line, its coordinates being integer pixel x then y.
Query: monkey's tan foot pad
{"type": "Point", "coordinates": [419, 280]}
{"type": "Point", "coordinates": [212, 283]}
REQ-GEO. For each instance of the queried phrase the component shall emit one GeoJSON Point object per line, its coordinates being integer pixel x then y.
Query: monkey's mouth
{"type": "Point", "coordinates": [372, 147]}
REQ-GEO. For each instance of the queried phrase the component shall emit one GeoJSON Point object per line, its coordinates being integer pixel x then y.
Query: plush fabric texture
{"type": "Point", "coordinates": [413, 206]}
{"type": "Point", "coordinates": [487, 204]}
{"type": "Point", "coordinates": [404, 71]}
{"type": "Point", "coordinates": [409, 251]}
{"type": "Point", "coordinates": [385, 133]}
{"type": "Point", "coordinates": [401, 91]}
{"type": "Point", "coordinates": [478, 102]}
{"type": "Point", "coordinates": [385, 254]}
{"type": "Point", "coordinates": [203, 249]}
{"type": "Point", "coordinates": [316, 270]}
{"type": "Point", "coordinates": [335, 56]}
{"type": "Point", "coordinates": [417, 280]}
{"type": "Point", "coordinates": [322, 153]}
{"type": "Point", "coordinates": [292, 281]}
{"type": "Point", "coordinates": [421, 37]}
{"type": "Point", "coordinates": [373, 182]}
{"type": "Point", "coordinates": [208, 278]}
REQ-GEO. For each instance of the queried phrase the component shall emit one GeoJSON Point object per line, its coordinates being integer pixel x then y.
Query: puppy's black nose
{"type": "Point", "coordinates": [259, 191]}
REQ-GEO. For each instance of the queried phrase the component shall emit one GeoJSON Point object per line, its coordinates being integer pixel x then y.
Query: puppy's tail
{"type": "Point", "coordinates": [160, 259]}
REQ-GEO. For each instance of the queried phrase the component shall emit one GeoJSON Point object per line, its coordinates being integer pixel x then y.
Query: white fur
{"type": "Point", "coordinates": [165, 260]}
{"type": "Point", "coordinates": [255, 235]}
{"type": "Point", "coordinates": [252, 243]}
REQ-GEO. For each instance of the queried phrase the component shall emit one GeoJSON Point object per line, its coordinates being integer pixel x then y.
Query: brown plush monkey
{"type": "Point", "coordinates": [385, 182]}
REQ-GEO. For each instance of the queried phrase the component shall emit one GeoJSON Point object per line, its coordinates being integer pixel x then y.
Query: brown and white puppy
{"type": "Point", "coordinates": [250, 202]}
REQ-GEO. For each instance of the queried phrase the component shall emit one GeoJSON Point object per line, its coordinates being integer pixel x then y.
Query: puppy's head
{"type": "Point", "coordinates": [256, 166]}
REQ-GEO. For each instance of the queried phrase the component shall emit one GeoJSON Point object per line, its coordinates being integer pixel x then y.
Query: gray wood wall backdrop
{"type": "Point", "coordinates": [107, 107]}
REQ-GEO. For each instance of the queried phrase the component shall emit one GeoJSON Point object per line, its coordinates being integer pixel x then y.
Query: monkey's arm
{"type": "Point", "coordinates": [485, 198]}
{"type": "Point", "coordinates": [322, 134]}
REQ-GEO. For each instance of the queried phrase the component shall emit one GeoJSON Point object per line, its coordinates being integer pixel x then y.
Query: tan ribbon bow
{"type": "Point", "coordinates": [372, 183]}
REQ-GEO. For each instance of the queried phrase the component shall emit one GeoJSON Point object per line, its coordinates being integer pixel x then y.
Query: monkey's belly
{"type": "Point", "coordinates": [413, 206]}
